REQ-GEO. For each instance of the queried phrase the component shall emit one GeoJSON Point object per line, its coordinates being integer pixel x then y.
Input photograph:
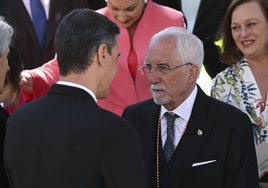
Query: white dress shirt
{"type": "Point", "coordinates": [184, 112]}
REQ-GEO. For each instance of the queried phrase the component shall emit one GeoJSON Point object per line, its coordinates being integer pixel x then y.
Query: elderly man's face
{"type": "Point", "coordinates": [171, 87]}
{"type": "Point", "coordinates": [4, 68]}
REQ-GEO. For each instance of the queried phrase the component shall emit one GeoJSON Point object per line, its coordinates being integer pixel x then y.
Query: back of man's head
{"type": "Point", "coordinates": [78, 37]}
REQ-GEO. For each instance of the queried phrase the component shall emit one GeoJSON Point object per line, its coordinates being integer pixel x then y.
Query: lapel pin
{"type": "Point", "coordinates": [199, 132]}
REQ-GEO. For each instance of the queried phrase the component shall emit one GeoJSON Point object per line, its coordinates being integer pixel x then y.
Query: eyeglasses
{"type": "Point", "coordinates": [164, 69]}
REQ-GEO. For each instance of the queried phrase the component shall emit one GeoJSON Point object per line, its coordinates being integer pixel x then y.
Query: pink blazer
{"type": "Point", "coordinates": [43, 78]}
{"type": "Point", "coordinates": [124, 91]}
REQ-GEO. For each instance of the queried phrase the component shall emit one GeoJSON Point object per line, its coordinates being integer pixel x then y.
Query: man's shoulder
{"type": "Point", "coordinates": [216, 107]}
{"type": "Point", "coordinates": [220, 106]}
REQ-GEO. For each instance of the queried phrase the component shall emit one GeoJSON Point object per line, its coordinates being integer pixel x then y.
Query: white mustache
{"type": "Point", "coordinates": [157, 87]}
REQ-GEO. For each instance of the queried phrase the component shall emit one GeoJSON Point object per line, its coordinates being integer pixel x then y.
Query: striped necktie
{"type": "Point", "coordinates": [169, 144]}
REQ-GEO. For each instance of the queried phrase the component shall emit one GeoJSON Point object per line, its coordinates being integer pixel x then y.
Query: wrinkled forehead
{"type": "Point", "coordinates": [167, 44]}
{"type": "Point", "coordinates": [162, 50]}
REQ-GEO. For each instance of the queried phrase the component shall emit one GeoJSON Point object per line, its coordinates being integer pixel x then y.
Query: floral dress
{"type": "Point", "coordinates": [237, 86]}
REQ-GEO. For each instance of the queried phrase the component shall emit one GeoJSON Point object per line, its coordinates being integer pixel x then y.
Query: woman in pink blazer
{"type": "Point", "coordinates": [138, 21]}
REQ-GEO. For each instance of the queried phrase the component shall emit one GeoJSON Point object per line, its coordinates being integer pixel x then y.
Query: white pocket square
{"type": "Point", "coordinates": [203, 163]}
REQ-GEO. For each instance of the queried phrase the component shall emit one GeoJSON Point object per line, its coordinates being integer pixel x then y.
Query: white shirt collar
{"type": "Point", "coordinates": [78, 86]}
{"type": "Point", "coordinates": [185, 109]}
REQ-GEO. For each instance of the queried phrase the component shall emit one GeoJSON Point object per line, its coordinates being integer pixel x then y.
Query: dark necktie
{"type": "Point", "coordinates": [39, 20]}
{"type": "Point", "coordinates": [169, 144]}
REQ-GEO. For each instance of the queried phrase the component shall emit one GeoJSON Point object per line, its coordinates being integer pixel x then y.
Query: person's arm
{"type": "Point", "coordinates": [36, 82]}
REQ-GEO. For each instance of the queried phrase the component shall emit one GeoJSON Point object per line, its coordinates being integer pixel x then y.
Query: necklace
{"type": "Point", "coordinates": [158, 135]}
{"type": "Point", "coordinates": [158, 152]}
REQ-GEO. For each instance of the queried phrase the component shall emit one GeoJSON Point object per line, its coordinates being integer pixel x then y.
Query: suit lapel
{"type": "Point", "coordinates": [56, 13]}
{"type": "Point", "coordinates": [195, 136]}
{"type": "Point", "coordinates": [204, 6]}
{"type": "Point", "coordinates": [24, 18]}
{"type": "Point", "coordinates": [179, 5]}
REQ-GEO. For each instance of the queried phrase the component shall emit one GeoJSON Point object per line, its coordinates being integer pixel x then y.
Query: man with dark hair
{"type": "Point", "coordinates": [64, 139]}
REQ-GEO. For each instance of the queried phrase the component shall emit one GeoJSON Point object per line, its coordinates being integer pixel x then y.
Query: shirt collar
{"type": "Point", "coordinates": [184, 110]}
{"type": "Point", "coordinates": [78, 86]}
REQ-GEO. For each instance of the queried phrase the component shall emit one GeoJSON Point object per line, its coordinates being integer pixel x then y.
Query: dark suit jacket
{"type": "Point", "coordinates": [226, 138]}
{"type": "Point", "coordinates": [208, 21]}
{"type": "Point", "coordinates": [96, 4]}
{"type": "Point", "coordinates": [3, 119]}
{"type": "Point", "coordinates": [26, 41]}
{"type": "Point", "coordinates": [64, 140]}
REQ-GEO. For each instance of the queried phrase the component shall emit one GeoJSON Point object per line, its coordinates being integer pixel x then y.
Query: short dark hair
{"type": "Point", "coordinates": [78, 37]}
{"type": "Point", "coordinates": [230, 52]}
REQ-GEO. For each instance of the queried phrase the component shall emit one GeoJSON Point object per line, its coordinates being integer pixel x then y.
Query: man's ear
{"type": "Point", "coordinates": [102, 53]}
{"type": "Point", "coordinates": [194, 71]}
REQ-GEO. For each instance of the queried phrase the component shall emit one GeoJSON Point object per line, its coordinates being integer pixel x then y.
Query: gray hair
{"type": "Point", "coordinates": [189, 47]}
{"type": "Point", "coordinates": [6, 32]}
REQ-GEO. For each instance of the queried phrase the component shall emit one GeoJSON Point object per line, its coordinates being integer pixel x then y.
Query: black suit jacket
{"type": "Point", "coordinates": [26, 41]}
{"type": "Point", "coordinates": [3, 119]}
{"type": "Point", "coordinates": [65, 140]}
{"type": "Point", "coordinates": [226, 139]}
{"type": "Point", "coordinates": [96, 4]}
{"type": "Point", "coordinates": [208, 20]}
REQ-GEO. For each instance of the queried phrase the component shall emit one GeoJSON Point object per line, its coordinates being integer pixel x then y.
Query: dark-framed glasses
{"type": "Point", "coordinates": [163, 69]}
